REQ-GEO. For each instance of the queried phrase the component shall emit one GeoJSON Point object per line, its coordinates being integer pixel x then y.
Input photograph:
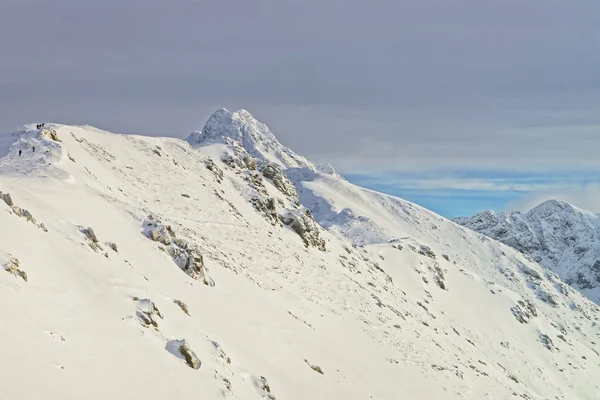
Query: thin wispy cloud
{"type": "Point", "coordinates": [462, 193]}
{"type": "Point", "coordinates": [585, 196]}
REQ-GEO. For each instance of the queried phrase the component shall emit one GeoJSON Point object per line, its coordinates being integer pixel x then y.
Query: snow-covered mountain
{"type": "Point", "coordinates": [227, 266]}
{"type": "Point", "coordinates": [556, 234]}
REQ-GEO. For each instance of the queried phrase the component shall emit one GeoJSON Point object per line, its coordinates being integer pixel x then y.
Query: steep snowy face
{"type": "Point", "coordinates": [241, 127]}
{"type": "Point", "coordinates": [556, 234]}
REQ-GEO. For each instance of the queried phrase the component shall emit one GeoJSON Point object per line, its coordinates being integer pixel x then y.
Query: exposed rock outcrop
{"type": "Point", "coordinates": [182, 305]}
{"type": "Point", "coordinates": [274, 174]}
{"type": "Point", "coordinates": [426, 251]}
{"type": "Point", "coordinates": [268, 208]}
{"type": "Point", "coordinates": [188, 257]}
{"type": "Point", "coordinates": [306, 227]}
{"type": "Point", "coordinates": [7, 199]}
{"type": "Point", "coordinates": [239, 159]}
{"type": "Point", "coordinates": [13, 267]}
{"type": "Point", "coordinates": [524, 311]}
{"type": "Point", "coordinates": [439, 277]}
{"type": "Point", "coordinates": [21, 212]}
{"type": "Point", "coordinates": [113, 246]}
{"type": "Point", "coordinates": [182, 349]}
{"type": "Point", "coordinates": [91, 238]}
{"type": "Point", "coordinates": [264, 389]}
{"type": "Point", "coordinates": [49, 133]}
{"type": "Point", "coordinates": [315, 368]}
{"type": "Point", "coordinates": [211, 166]}
{"type": "Point", "coordinates": [148, 313]}
{"type": "Point", "coordinates": [547, 342]}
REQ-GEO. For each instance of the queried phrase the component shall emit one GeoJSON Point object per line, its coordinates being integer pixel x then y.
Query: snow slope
{"type": "Point", "coordinates": [556, 234]}
{"type": "Point", "coordinates": [205, 275]}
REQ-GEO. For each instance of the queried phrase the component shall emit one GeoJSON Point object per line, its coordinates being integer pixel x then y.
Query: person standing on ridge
{"type": "Point", "coordinates": [19, 152]}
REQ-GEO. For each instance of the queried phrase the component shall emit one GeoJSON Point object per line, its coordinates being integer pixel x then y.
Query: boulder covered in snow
{"type": "Point", "coordinates": [306, 227]}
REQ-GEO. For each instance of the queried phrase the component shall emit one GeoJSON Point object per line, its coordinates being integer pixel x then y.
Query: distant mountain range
{"type": "Point", "coordinates": [556, 234]}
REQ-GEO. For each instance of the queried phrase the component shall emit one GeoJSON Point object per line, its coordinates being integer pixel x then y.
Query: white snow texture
{"type": "Point", "coordinates": [227, 266]}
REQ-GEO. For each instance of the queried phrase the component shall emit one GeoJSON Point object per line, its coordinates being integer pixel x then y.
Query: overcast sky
{"type": "Point", "coordinates": [459, 105]}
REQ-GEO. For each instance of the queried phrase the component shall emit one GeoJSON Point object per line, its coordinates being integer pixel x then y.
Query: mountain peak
{"type": "Point", "coordinates": [238, 125]}
{"type": "Point", "coordinates": [560, 236]}
{"type": "Point", "coordinates": [553, 206]}
{"type": "Point", "coordinates": [254, 136]}
{"type": "Point", "coordinates": [553, 203]}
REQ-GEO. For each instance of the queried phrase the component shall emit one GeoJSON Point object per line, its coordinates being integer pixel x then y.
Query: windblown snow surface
{"type": "Point", "coordinates": [227, 266]}
{"type": "Point", "coordinates": [556, 234]}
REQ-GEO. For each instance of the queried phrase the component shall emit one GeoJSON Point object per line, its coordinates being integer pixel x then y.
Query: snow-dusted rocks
{"type": "Point", "coordinates": [306, 227]}
{"type": "Point", "coordinates": [89, 234]}
{"type": "Point", "coordinates": [524, 311]}
{"type": "Point", "coordinates": [547, 342]}
{"type": "Point", "coordinates": [183, 306]}
{"type": "Point", "coordinates": [185, 255]}
{"type": "Point", "coordinates": [182, 349]}
{"type": "Point", "coordinates": [211, 166]}
{"type": "Point", "coordinates": [147, 312]}
{"type": "Point", "coordinates": [158, 232]}
{"type": "Point", "coordinates": [560, 236]}
{"type": "Point", "coordinates": [263, 388]}
{"type": "Point", "coordinates": [314, 367]}
{"type": "Point", "coordinates": [113, 246]}
{"type": "Point", "coordinates": [12, 266]}
{"type": "Point", "coordinates": [7, 199]}
{"type": "Point", "coordinates": [272, 172]}
{"type": "Point", "coordinates": [267, 207]}
{"type": "Point", "coordinates": [91, 238]}
{"type": "Point", "coordinates": [49, 133]}
{"type": "Point", "coordinates": [21, 212]}
{"type": "Point", "coordinates": [238, 157]}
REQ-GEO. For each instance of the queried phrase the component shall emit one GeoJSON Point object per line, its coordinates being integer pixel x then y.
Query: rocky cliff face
{"type": "Point", "coordinates": [556, 234]}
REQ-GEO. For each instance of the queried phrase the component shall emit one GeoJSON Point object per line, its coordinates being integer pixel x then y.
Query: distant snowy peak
{"type": "Point", "coordinates": [558, 208]}
{"type": "Point", "coordinates": [483, 220]}
{"type": "Point", "coordinates": [240, 126]}
{"type": "Point", "coordinates": [559, 235]}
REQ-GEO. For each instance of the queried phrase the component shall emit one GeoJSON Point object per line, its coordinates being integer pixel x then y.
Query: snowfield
{"type": "Point", "coordinates": [227, 266]}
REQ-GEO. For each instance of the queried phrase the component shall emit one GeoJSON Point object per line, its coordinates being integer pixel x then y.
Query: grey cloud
{"type": "Point", "coordinates": [380, 84]}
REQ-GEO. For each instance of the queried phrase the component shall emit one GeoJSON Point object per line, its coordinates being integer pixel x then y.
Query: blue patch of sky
{"type": "Point", "coordinates": [450, 203]}
{"type": "Point", "coordinates": [506, 188]}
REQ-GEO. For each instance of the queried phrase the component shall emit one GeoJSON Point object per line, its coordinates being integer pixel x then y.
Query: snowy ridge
{"type": "Point", "coordinates": [197, 269]}
{"type": "Point", "coordinates": [560, 236]}
{"type": "Point", "coordinates": [36, 146]}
